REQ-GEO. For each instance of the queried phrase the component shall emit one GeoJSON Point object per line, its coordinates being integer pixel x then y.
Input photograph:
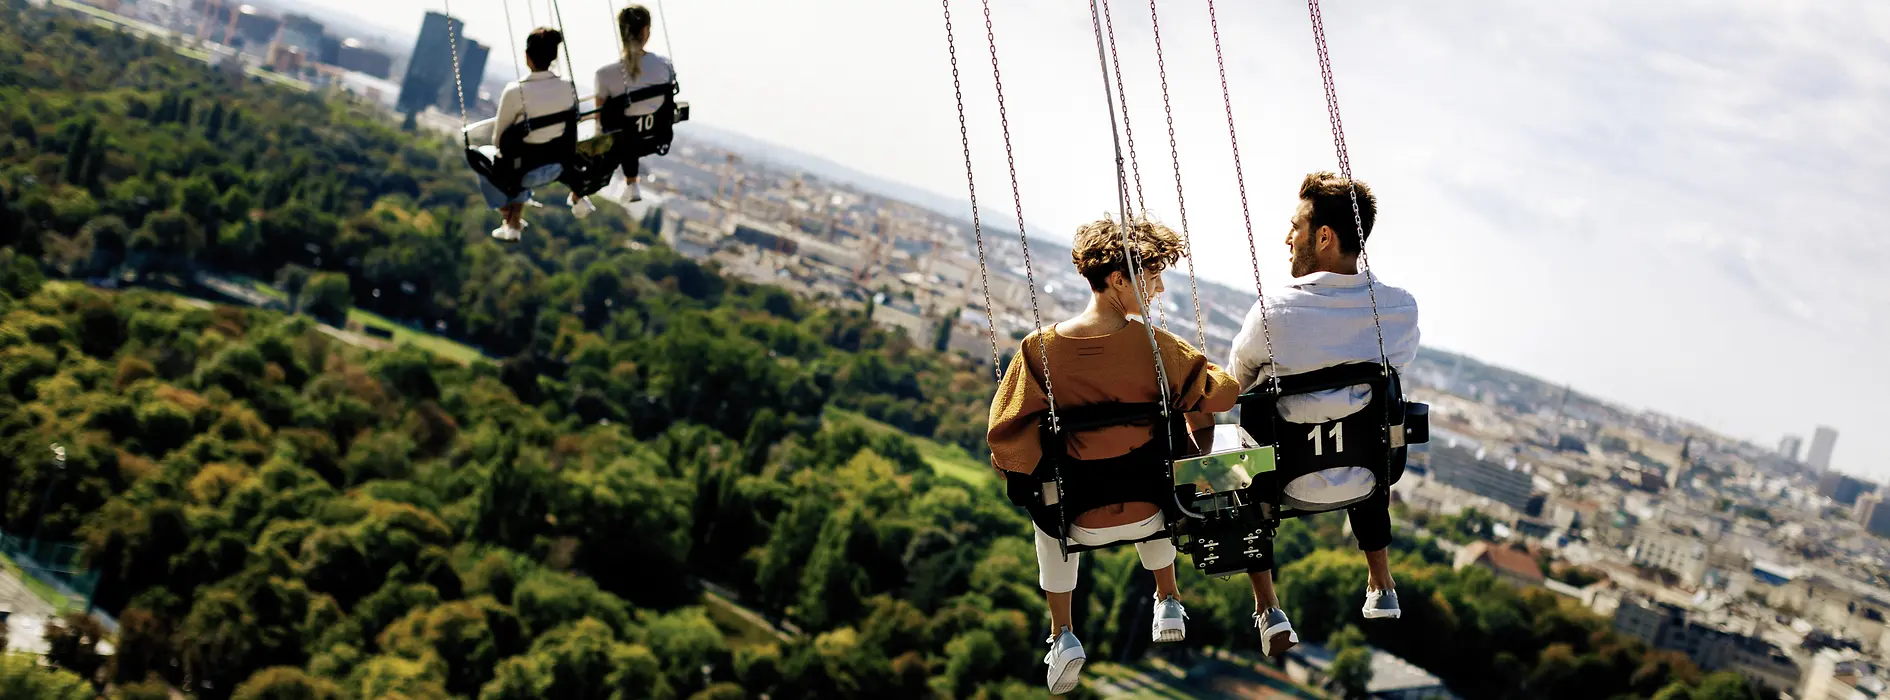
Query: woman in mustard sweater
{"type": "Point", "coordinates": [1103, 355]}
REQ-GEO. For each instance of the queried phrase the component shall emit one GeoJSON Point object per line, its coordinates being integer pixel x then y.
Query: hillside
{"type": "Point", "coordinates": [274, 513]}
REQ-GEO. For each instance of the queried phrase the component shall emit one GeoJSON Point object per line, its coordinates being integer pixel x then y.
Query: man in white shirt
{"type": "Point", "coordinates": [540, 94]}
{"type": "Point", "coordinates": [1324, 318]}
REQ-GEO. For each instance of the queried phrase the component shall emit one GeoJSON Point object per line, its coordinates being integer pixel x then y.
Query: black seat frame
{"type": "Point", "coordinates": [1236, 534]}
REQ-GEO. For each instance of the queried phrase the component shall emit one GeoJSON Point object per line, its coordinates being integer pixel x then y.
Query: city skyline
{"type": "Point", "coordinates": [1503, 197]}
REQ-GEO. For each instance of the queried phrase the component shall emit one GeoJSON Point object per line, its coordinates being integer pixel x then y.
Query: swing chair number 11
{"type": "Point", "coordinates": [1225, 501]}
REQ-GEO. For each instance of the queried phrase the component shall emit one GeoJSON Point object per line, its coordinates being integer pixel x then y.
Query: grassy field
{"type": "Point", "coordinates": [947, 460]}
{"type": "Point", "coordinates": [448, 349]}
{"type": "Point", "coordinates": [60, 603]}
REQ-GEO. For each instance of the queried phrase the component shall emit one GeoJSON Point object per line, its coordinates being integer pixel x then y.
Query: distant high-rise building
{"type": "Point", "coordinates": [1874, 514]}
{"type": "Point", "coordinates": [330, 50]}
{"type": "Point", "coordinates": [430, 68]}
{"type": "Point", "coordinates": [1821, 444]}
{"type": "Point", "coordinates": [356, 57]}
{"type": "Point", "coordinates": [254, 29]}
{"type": "Point", "coordinates": [1790, 446]}
{"type": "Point", "coordinates": [1843, 488]}
{"type": "Point", "coordinates": [472, 69]}
{"type": "Point", "coordinates": [303, 33]}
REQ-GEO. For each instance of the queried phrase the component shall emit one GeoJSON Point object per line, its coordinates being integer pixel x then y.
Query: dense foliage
{"type": "Point", "coordinates": [279, 514]}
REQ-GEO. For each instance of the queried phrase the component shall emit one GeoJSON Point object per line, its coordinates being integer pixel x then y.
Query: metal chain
{"type": "Point", "coordinates": [1181, 200]}
{"type": "Point", "coordinates": [1122, 100]}
{"type": "Point", "coordinates": [1130, 260]}
{"type": "Point", "coordinates": [623, 59]}
{"type": "Point", "coordinates": [459, 85]}
{"type": "Point", "coordinates": [662, 15]}
{"type": "Point", "coordinates": [556, 10]}
{"type": "Point", "coordinates": [1345, 169]}
{"type": "Point", "coordinates": [1122, 97]}
{"type": "Point", "coordinates": [1246, 212]}
{"type": "Point", "coordinates": [525, 108]}
{"type": "Point", "coordinates": [971, 186]}
{"type": "Point", "coordinates": [1017, 198]}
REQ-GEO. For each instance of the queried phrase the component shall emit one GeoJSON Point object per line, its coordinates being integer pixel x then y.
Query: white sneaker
{"type": "Point", "coordinates": [632, 193]}
{"type": "Point", "coordinates": [1381, 604]}
{"type": "Point", "coordinates": [582, 207]}
{"type": "Point", "coordinates": [1171, 621]}
{"type": "Point", "coordinates": [1276, 632]}
{"type": "Point", "coordinates": [1065, 661]}
{"type": "Point", "coordinates": [507, 233]}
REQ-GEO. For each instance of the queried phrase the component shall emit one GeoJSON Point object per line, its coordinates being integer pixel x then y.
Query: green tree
{"type": "Point", "coordinates": [286, 683]}
{"type": "Point", "coordinates": [1352, 672]}
{"type": "Point", "coordinates": [21, 677]}
{"type": "Point", "coordinates": [326, 297]}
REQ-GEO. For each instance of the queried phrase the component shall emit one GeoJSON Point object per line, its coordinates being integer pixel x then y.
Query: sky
{"type": "Point", "coordinates": [1678, 206]}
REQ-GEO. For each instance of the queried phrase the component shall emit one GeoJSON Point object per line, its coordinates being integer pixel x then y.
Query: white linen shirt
{"type": "Point", "coordinates": [656, 71]}
{"type": "Point", "coordinates": [1322, 320]}
{"type": "Point", "coordinates": [542, 92]}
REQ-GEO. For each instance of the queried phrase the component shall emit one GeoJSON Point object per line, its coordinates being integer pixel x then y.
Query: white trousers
{"type": "Point", "coordinates": [1056, 574]}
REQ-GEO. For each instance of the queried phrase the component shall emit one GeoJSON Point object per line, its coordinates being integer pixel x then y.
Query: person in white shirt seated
{"type": "Point", "coordinates": [540, 94]}
{"type": "Point", "coordinates": [1322, 319]}
{"type": "Point", "coordinates": [639, 69]}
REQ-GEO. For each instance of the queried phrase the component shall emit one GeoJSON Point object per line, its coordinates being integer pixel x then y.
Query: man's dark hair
{"type": "Point", "coordinates": [541, 48]}
{"type": "Point", "coordinates": [1332, 206]}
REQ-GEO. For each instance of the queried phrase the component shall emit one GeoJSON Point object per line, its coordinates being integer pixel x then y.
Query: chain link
{"type": "Point", "coordinates": [971, 185]}
{"type": "Point", "coordinates": [1181, 200]}
{"type": "Point", "coordinates": [459, 86]}
{"type": "Point", "coordinates": [1130, 260]}
{"type": "Point", "coordinates": [1017, 198]}
{"type": "Point", "coordinates": [1122, 97]}
{"type": "Point", "coordinates": [1246, 212]}
{"type": "Point", "coordinates": [1345, 169]}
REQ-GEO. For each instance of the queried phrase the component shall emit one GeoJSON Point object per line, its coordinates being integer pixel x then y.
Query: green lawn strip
{"type": "Point", "coordinates": [946, 460]}
{"type": "Point", "coordinates": [737, 629]}
{"type": "Point", "coordinates": [38, 588]}
{"type": "Point", "coordinates": [427, 341]}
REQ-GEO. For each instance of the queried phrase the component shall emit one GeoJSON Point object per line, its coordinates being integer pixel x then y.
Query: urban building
{"type": "Point", "coordinates": [1712, 647]}
{"type": "Point", "coordinates": [1874, 515]}
{"type": "Point", "coordinates": [1842, 675]}
{"type": "Point", "coordinates": [1461, 468]}
{"type": "Point", "coordinates": [1822, 443]}
{"type": "Point", "coordinates": [472, 66]}
{"type": "Point", "coordinates": [1508, 563]}
{"type": "Point", "coordinates": [430, 68]}
{"type": "Point", "coordinates": [303, 33]}
{"type": "Point", "coordinates": [1843, 488]}
{"type": "Point", "coordinates": [1682, 553]}
{"type": "Point", "coordinates": [254, 29]}
{"type": "Point", "coordinates": [353, 55]}
{"type": "Point", "coordinates": [1393, 678]}
{"type": "Point", "coordinates": [1790, 446]}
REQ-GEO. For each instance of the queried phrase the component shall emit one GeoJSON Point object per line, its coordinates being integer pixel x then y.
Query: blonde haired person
{"type": "Point", "coordinates": [638, 69]}
{"type": "Point", "coordinates": [1100, 356]}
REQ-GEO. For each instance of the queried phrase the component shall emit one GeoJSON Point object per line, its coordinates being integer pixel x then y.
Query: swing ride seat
{"type": "Point", "coordinates": [621, 137]}
{"type": "Point", "coordinates": [1063, 487]}
{"type": "Point", "coordinates": [1231, 530]}
{"type": "Point", "coordinates": [517, 156]}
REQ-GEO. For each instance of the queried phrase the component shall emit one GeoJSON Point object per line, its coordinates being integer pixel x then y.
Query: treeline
{"type": "Point", "coordinates": [277, 514]}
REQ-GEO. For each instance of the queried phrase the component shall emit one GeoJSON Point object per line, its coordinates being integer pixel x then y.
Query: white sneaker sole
{"type": "Point", "coordinates": [1371, 614]}
{"type": "Point", "coordinates": [1170, 631]}
{"type": "Point", "coordinates": [1067, 679]}
{"type": "Point", "coordinates": [1278, 639]}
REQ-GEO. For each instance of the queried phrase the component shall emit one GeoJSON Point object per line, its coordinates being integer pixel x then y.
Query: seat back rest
{"type": "Point", "coordinates": [1076, 419]}
{"type": "Point", "coordinates": [1363, 438]}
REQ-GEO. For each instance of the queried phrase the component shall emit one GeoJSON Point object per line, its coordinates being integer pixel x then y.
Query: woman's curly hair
{"type": "Point", "coordinates": [1098, 249]}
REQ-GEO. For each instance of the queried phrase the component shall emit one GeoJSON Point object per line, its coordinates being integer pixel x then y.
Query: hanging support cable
{"type": "Point", "coordinates": [1345, 171]}
{"type": "Point", "coordinates": [459, 86]}
{"type": "Point", "coordinates": [1135, 167]}
{"type": "Point", "coordinates": [1181, 200]}
{"type": "Point", "coordinates": [971, 187]}
{"type": "Point", "coordinates": [1130, 260]}
{"type": "Point", "coordinates": [1030, 278]}
{"type": "Point", "coordinates": [1246, 212]}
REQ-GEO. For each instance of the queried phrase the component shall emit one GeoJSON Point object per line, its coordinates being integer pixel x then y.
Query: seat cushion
{"type": "Point", "coordinates": [1328, 489]}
